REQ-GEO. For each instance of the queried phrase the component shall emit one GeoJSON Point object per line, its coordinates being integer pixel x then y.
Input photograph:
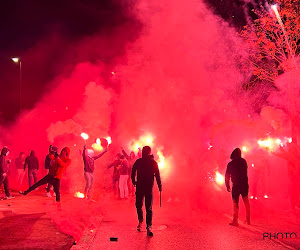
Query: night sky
{"type": "Point", "coordinates": [44, 33]}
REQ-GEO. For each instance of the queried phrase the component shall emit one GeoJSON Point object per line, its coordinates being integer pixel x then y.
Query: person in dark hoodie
{"type": "Point", "coordinates": [32, 163]}
{"type": "Point", "coordinates": [4, 168]}
{"type": "Point", "coordinates": [237, 172]}
{"type": "Point", "coordinates": [89, 167]}
{"type": "Point", "coordinates": [60, 163]}
{"type": "Point", "coordinates": [48, 162]}
{"type": "Point", "coordinates": [145, 168]}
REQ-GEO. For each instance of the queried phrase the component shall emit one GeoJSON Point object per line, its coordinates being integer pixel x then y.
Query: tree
{"type": "Point", "coordinates": [273, 46]}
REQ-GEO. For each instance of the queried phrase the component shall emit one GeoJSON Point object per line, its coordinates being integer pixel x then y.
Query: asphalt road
{"type": "Point", "coordinates": [176, 227]}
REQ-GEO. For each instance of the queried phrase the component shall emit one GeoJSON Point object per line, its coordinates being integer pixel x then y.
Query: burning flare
{"type": "Point", "coordinates": [84, 136]}
{"type": "Point", "coordinates": [219, 178]}
{"type": "Point", "coordinates": [79, 195]}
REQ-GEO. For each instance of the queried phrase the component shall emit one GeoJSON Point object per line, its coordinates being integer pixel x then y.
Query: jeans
{"type": "Point", "coordinates": [32, 176]}
{"type": "Point", "coordinates": [49, 184]}
{"type": "Point", "coordinates": [140, 194]}
{"type": "Point", "coordinates": [47, 179]}
{"type": "Point", "coordinates": [123, 186]}
{"type": "Point", "coordinates": [89, 179]}
{"type": "Point", "coordinates": [4, 180]}
{"type": "Point", "coordinates": [20, 176]}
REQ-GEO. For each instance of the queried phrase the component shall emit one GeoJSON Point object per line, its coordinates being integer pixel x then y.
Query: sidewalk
{"type": "Point", "coordinates": [34, 222]}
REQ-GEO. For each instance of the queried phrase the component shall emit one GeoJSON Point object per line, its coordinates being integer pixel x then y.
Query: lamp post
{"type": "Point", "coordinates": [18, 61]}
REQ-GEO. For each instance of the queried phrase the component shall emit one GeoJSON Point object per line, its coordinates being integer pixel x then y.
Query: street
{"type": "Point", "coordinates": [175, 227]}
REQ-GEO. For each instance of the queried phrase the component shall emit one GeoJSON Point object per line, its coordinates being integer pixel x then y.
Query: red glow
{"type": "Point", "coordinates": [84, 136]}
{"type": "Point", "coordinates": [79, 195]}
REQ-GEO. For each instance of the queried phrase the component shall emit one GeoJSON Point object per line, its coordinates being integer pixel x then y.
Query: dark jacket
{"type": "Point", "coordinates": [4, 161]}
{"type": "Point", "coordinates": [236, 170]}
{"type": "Point", "coordinates": [31, 161]}
{"type": "Point", "coordinates": [145, 168]}
{"type": "Point", "coordinates": [89, 162]}
{"type": "Point", "coordinates": [49, 160]}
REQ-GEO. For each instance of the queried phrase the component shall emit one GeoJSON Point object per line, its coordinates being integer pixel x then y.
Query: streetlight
{"type": "Point", "coordinates": [17, 60]}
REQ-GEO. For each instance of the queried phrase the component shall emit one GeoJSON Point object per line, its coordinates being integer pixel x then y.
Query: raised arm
{"type": "Point", "coordinates": [100, 155]}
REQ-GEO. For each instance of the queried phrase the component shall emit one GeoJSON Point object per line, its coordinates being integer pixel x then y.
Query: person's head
{"type": "Point", "coordinates": [146, 151]}
{"type": "Point", "coordinates": [5, 151]}
{"type": "Point", "coordinates": [122, 158]}
{"type": "Point", "coordinates": [32, 153]}
{"type": "Point", "coordinates": [65, 152]}
{"type": "Point", "coordinates": [90, 152]}
{"type": "Point", "coordinates": [236, 154]}
{"type": "Point", "coordinates": [22, 155]}
{"type": "Point", "coordinates": [53, 149]}
{"type": "Point", "coordinates": [132, 155]}
{"type": "Point", "coordinates": [118, 156]}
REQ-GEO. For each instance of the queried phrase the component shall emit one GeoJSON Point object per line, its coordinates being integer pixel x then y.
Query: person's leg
{"type": "Point", "coordinates": [86, 177]}
{"type": "Point", "coordinates": [121, 186]}
{"type": "Point", "coordinates": [39, 183]}
{"type": "Point", "coordinates": [49, 184]}
{"type": "Point", "coordinates": [34, 174]}
{"type": "Point", "coordinates": [126, 186]}
{"type": "Point", "coordinates": [19, 176]}
{"type": "Point", "coordinates": [56, 187]}
{"type": "Point", "coordinates": [6, 187]}
{"type": "Point", "coordinates": [91, 183]}
{"type": "Point", "coordinates": [235, 200]}
{"type": "Point", "coordinates": [148, 204]}
{"type": "Point", "coordinates": [247, 208]}
{"type": "Point", "coordinates": [30, 178]}
{"type": "Point", "coordinates": [139, 206]}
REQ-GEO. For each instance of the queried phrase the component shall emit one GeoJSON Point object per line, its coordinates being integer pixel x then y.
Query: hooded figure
{"type": "Point", "coordinates": [33, 166]}
{"type": "Point", "coordinates": [4, 168]}
{"type": "Point", "coordinates": [237, 172]}
{"type": "Point", "coordinates": [146, 169]}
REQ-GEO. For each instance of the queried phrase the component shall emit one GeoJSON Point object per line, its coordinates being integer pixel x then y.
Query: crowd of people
{"type": "Point", "coordinates": [141, 169]}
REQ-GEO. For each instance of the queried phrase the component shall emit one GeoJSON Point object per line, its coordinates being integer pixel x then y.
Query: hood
{"type": "Point", "coordinates": [32, 153]}
{"type": "Point", "coordinates": [146, 152]}
{"type": "Point", "coordinates": [236, 154]}
{"type": "Point", "coordinates": [4, 151]}
{"type": "Point", "coordinates": [68, 151]}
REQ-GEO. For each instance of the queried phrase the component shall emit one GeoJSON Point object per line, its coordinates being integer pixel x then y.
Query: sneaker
{"type": "Point", "coordinates": [48, 194]}
{"type": "Point", "coordinates": [23, 193]}
{"type": "Point", "coordinates": [149, 231]}
{"type": "Point", "coordinates": [233, 223]}
{"type": "Point", "coordinates": [139, 227]}
{"type": "Point", "coordinates": [9, 197]}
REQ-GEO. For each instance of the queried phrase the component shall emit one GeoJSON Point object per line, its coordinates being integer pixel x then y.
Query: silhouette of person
{"type": "Point", "coordinates": [145, 168]}
{"type": "Point", "coordinates": [237, 171]}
